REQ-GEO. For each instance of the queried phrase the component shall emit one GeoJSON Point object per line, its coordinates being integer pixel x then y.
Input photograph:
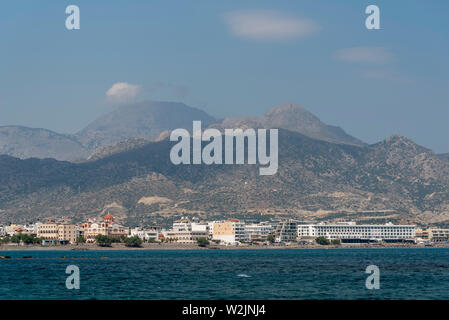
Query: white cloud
{"type": "Point", "coordinates": [122, 91]}
{"type": "Point", "coordinates": [268, 25]}
{"type": "Point", "coordinates": [377, 55]}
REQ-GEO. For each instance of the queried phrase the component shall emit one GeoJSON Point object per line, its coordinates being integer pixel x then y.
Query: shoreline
{"type": "Point", "coordinates": [179, 246]}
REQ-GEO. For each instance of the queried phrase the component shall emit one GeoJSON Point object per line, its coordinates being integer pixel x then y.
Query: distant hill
{"type": "Point", "coordinates": [121, 146]}
{"type": "Point", "coordinates": [295, 118]}
{"type": "Point", "coordinates": [393, 180]}
{"type": "Point", "coordinates": [146, 120]}
{"type": "Point", "coordinates": [23, 142]}
{"type": "Point", "coordinates": [152, 120]}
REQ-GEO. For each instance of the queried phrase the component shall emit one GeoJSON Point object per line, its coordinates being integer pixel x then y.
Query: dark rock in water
{"type": "Point", "coordinates": [27, 257]}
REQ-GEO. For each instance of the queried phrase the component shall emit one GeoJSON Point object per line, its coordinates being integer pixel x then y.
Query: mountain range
{"type": "Point", "coordinates": [324, 174]}
{"type": "Point", "coordinates": [148, 120]}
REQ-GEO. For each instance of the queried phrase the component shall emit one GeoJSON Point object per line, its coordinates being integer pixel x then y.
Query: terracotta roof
{"type": "Point", "coordinates": [108, 216]}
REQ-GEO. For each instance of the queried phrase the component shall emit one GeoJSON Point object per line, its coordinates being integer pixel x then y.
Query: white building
{"type": "Point", "coordinates": [258, 231]}
{"type": "Point", "coordinates": [182, 224]}
{"type": "Point", "coordinates": [32, 228]}
{"type": "Point", "coordinates": [149, 234]}
{"type": "Point", "coordinates": [211, 228]}
{"type": "Point", "coordinates": [197, 226]}
{"type": "Point", "coordinates": [230, 232]}
{"type": "Point", "coordinates": [286, 231]}
{"type": "Point", "coordinates": [352, 231]}
{"type": "Point", "coordinates": [186, 232]}
{"type": "Point", "coordinates": [438, 234]}
{"type": "Point", "coordinates": [13, 229]}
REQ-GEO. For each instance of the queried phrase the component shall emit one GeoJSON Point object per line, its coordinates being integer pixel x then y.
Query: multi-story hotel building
{"type": "Point", "coordinates": [258, 231]}
{"type": "Point", "coordinates": [286, 231]}
{"type": "Point", "coordinates": [423, 234]}
{"type": "Point", "coordinates": [350, 231]}
{"type": "Point", "coordinates": [438, 234]}
{"type": "Point", "coordinates": [57, 232]}
{"type": "Point", "coordinates": [186, 232]}
{"type": "Point", "coordinates": [229, 232]}
{"type": "Point", "coordinates": [149, 234]}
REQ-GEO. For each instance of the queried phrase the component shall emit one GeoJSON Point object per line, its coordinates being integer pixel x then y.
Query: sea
{"type": "Point", "coordinates": [409, 273]}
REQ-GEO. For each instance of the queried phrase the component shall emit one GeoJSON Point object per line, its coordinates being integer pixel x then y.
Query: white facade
{"type": "Point", "coordinates": [286, 231]}
{"type": "Point", "coordinates": [438, 234]}
{"type": "Point", "coordinates": [186, 236]}
{"type": "Point", "coordinates": [32, 228]}
{"type": "Point", "coordinates": [230, 231]}
{"type": "Point", "coordinates": [258, 231]}
{"type": "Point", "coordinates": [185, 231]}
{"type": "Point", "coordinates": [240, 234]}
{"type": "Point", "coordinates": [182, 225]}
{"type": "Point", "coordinates": [13, 229]}
{"type": "Point", "coordinates": [211, 228]}
{"type": "Point", "coordinates": [202, 227]}
{"type": "Point", "coordinates": [145, 234]}
{"type": "Point", "coordinates": [350, 230]}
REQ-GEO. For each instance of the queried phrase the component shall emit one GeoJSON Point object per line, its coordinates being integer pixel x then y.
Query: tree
{"type": "Point", "coordinates": [103, 241]}
{"type": "Point", "coordinates": [322, 241]}
{"type": "Point", "coordinates": [15, 239]}
{"type": "Point", "coordinates": [270, 238]}
{"type": "Point", "coordinates": [134, 241]}
{"type": "Point", "coordinates": [202, 242]}
{"type": "Point", "coordinates": [336, 242]}
{"type": "Point", "coordinates": [80, 239]}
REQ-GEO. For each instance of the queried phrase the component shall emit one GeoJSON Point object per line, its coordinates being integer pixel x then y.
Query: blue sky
{"type": "Point", "coordinates": [231, 58]}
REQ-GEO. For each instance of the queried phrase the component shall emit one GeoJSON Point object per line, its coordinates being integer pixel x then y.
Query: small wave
{"type": "Point", "coordinates": [243, 275]}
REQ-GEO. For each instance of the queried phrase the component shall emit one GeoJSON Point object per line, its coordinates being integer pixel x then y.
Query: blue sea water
{"type": "Point", "coordinates": [227, 274]}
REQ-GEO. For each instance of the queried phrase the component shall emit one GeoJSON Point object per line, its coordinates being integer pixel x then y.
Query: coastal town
{"type": "Point", "coordinates": [231, 232]}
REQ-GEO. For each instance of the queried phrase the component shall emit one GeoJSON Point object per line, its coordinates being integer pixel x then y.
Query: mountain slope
{"type": "Point", "coordinates": [140, 120]}
{"type": "Point", "coordinates": [294, 118]}
{"type": "Point", "coordinates": [23, 142]}
{"type": "Point", "coordinates": [393, 180]}
{"type": "Point", "coordinates": [152, 120]}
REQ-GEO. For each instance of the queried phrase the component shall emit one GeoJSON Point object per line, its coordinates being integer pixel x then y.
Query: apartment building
{"type": "Point", "coordinates": [185, 231]}
{"type": "Point", "coordinates": [422, 234]}
{"type": "Point", "coordinates": [229, 232]}
{"type": "Point", "coordinates": [258, 231]}
{"type": "Point", "coordinates": [438, 234]}
{"type": "Point", "coordinates": [286, 231]}
{"type": "Point", "coordinates": [147, 234]}
{"type": "Point", "coordinates": [13, 229]}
